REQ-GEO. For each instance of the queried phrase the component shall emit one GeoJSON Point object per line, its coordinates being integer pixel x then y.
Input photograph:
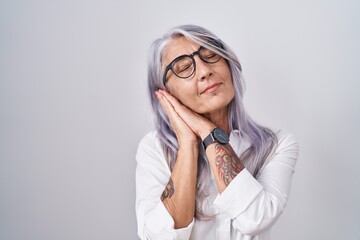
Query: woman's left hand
{"type": "Point", "coordinates": [197, 123]}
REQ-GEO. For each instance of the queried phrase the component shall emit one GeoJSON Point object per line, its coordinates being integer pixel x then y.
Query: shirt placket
{"type": "Point", "coordinates": [223, 231]}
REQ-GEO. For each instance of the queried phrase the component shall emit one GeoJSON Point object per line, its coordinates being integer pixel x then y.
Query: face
{"type": "Point", "coordinates": [209, 89]}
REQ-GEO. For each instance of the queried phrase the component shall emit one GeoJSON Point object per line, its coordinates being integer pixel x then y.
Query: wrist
{"type": "Point", "coordinates": [205, 131]}
{"type": "Point", "coordinates": [192, 146]}
{"type": "Point", "coordinates": [216, 135]}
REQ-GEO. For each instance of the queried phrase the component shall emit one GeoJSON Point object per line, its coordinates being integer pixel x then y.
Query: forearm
{"type": "Point", "coordinates": [255, 204]}
{"type": "Point", "coordinates": [225, 164]}
{"type": "Point", "coordinates": [179, 195]}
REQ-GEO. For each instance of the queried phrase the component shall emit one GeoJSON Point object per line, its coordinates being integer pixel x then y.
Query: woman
{"type": "Point", "coordinates": [207, 171]}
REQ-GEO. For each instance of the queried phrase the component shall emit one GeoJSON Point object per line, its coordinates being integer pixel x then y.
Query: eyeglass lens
{"type": "Point", "coordinates": [184, 66]}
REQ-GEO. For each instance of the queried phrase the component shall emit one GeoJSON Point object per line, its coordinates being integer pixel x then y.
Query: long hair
{"type": "Point", "coordinates": [262, 140]}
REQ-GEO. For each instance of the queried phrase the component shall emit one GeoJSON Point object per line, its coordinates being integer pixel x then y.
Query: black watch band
{"type": "Point", "coordinates": [216, 135]}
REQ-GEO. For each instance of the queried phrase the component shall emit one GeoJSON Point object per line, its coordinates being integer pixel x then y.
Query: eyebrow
{"type": "Point", "coordinates": [191, 54]}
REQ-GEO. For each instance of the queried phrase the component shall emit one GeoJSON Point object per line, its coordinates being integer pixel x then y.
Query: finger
{"type": "Point", "coordinates": [197, 123]}
{"type": "Point", "coordinates": [180, 108]}
{"type": "Point", "coordinates": [173, 116]}
{"type": "Point", "coordinates": [173, 100]}
{"type": "Point", "coordinates": [164, 104]}
{"type": "Point", "coordinates": [183, 111]}
{"type": "Point", "coordinates": [182, 130]}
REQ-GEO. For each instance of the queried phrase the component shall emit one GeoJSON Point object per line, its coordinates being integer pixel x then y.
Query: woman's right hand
{"type": "Point", "coordinates": [183, 132]}
{"type": "Point", "coordinates": [180, 193]}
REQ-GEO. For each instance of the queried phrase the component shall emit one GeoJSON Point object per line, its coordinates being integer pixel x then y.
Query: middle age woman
{"type": "Point", "coordinates": [207, 171]}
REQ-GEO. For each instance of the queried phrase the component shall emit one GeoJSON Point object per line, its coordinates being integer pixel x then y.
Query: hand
{"type": "Point", "coordinates": [199, 125]}
{"type": "Point", "coordinates": [183, 132]}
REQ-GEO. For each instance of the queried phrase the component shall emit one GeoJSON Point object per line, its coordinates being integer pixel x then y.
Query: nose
{"type": "Point", "coordinates": [203, 70]}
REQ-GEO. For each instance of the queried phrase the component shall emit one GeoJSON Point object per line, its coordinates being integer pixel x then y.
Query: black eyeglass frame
{"type": "Point", "coordinates": [169, 66]}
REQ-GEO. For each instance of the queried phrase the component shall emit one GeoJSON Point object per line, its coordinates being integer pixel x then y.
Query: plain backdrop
{"type": "Point", "coordinates": [74, 105]}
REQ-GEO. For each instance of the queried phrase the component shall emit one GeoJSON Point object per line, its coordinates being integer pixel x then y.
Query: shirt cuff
{"type": "Point", "coordinates": [161, 225]}
{"type": "Point", "coordinates": [239, 194]}
{"type": "Point", "coordinates": [184, 233]}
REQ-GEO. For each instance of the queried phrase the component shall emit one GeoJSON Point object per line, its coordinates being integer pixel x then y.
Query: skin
{"type": "Point", "coordinates": [193, 114]}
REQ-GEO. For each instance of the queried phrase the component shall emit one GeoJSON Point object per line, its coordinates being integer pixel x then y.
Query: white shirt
{"type": "Point", "coordinates": [246, 209]}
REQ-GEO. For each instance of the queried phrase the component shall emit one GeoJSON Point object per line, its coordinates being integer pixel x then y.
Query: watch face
{"type": "Point", "coordinates": [221, 136]}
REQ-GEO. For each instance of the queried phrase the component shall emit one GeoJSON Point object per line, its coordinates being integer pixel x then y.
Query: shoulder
{"type": "Point", "coordinates": [149, 139]}
{"type": "Point", "coordinates": [149, 149]}
{"type": "Point", "coordinates": [149, 143]}
{"type": "Point", "coordinates": [286, 145]}
{"type": "Point", "coordinates": [286, 139]}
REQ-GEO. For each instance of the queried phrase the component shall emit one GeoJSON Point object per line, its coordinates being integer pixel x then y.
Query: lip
{"type": "Point", "coordinates": [211, 88]}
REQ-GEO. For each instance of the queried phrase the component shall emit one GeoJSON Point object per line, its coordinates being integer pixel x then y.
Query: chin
{"type": "Point", "coordinates": [213, 108]}
{"type": "Point", "coordinates": [218, 102]}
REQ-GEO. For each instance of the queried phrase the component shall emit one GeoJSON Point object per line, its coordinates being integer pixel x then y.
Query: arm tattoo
{"type": "Point", "coordinates": [228, 163]}
{"type": "Point", "coordinates": [169, 190]}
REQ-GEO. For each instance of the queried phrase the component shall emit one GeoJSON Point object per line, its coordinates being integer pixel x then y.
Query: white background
{"type": "Point", "coordinates": [73, 107]}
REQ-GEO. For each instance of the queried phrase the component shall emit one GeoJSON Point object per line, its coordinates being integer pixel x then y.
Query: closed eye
{"type": "Point", "coordinates": [184, 68]}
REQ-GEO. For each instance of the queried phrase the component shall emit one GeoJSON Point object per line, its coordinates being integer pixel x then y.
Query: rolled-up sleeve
{"type": "Point", "coordinates": [254, 205]}
{"type": "Point", "coordinates": [152, 175]}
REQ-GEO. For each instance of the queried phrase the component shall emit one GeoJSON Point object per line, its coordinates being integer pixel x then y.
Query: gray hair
{"type": "Point", "coordinates": [262, 140]}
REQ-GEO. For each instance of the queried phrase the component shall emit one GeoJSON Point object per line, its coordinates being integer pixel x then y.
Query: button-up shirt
{"type": "Point", "coordinates": [246, 209]}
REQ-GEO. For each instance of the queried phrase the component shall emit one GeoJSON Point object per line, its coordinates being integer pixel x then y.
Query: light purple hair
{"type": "Point", "coordinates": [262, 140]}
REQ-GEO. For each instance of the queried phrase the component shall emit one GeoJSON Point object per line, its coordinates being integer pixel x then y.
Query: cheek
{"type": "Point", "coordinates": [185, 94]}
{"type": "Point", "coordinates": [232, 89]}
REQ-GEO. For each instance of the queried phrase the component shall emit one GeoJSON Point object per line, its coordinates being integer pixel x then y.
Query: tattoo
{"type": "Point", "coordinates": [169, 190]}
{"type": "Point", "coordinates": [228, 163]}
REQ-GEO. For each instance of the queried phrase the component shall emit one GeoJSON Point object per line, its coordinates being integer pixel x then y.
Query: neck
{"type": "Point", "coordinates": [220, 119]}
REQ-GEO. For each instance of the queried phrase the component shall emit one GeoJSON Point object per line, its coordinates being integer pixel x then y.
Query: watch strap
{"type": "Point", "coordinates": [208, 140]}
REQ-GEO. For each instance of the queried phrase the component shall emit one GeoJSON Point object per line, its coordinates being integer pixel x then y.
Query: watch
{"type": "Point", "coordinates": [216, 135]}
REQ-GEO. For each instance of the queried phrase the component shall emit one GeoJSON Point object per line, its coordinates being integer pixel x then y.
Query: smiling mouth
{"type": "Point", "coordinates": [210, 89]}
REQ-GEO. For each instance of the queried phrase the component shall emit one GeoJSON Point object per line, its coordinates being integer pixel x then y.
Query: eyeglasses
{"type": "Point", "coordinates": [184, 66]}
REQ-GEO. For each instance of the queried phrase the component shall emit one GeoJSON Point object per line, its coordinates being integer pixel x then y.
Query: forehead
{"type": "Point", "coordinates": [177, 47]}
